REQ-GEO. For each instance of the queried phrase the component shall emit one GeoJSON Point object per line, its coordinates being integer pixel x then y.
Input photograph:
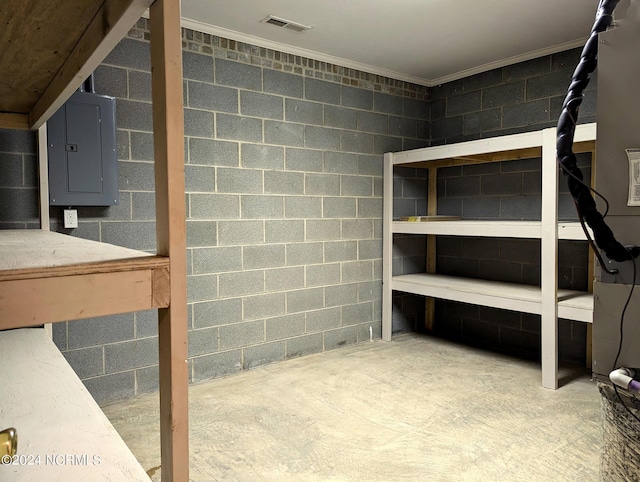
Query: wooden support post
{"type": "Point", "coordinates": [168, 136]}
{"type": "Point", "coordinates": [432, 210]}
{"type": "Point", "coordinates": [549, 261]}
{"type": "Point", "coordinates": [43, 182]}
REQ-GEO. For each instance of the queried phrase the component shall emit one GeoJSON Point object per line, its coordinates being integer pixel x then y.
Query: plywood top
{"type": "Point", "coordinates": [50, 47]}
{"type": "Point", "coordinates": [37, 37]}
{"type": "Point", "coordinates": [55, 416]}
{"type": "Point", "coordinates": [34, 249]}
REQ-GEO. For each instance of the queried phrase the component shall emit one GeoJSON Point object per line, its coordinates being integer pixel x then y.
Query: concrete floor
{"type": "Point", "coordinates": [415, 409]}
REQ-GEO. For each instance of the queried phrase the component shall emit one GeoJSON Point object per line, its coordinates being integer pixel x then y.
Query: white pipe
{"type": "Point", "coordinates": [623, 377]}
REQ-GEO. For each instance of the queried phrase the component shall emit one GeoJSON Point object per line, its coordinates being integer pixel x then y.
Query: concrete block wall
{"type": "Point", "coordinates": [513, 99]}
{"type": "Point", "coordinates": [283, 167]}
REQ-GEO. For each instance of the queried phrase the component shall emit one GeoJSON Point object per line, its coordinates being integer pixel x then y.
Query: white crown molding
{"type": "Point", "coordinates": [508, 61]}
{"type": "Point", "coordinates": [290, 49]}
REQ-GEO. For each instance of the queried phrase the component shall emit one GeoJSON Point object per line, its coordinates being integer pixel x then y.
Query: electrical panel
{"type": "Point", "coordinates": [81, 140]}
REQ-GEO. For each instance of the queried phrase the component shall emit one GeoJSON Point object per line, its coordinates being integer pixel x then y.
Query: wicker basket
{"type": "Point", "coordinates": [620, 459]}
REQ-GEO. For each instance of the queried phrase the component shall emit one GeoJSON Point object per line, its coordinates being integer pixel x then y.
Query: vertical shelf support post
{"type": "Point", "coordinates": [549, 261]}
{"type": "Point", "coordinates": [168, 140]}
{"type": "Point", "coordinates": [387, 248]}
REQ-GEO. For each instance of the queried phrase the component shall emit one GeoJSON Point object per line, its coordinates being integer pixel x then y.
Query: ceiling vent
{"type": "Point", "coordinates": [282, 23]}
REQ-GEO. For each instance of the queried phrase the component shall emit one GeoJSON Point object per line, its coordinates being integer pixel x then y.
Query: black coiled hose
{"type": "Point", "coordinates": [580, 192]}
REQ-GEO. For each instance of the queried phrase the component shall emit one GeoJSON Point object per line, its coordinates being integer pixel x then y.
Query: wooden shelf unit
{"type": "Point", "coordinates": [546, 300]}
{"type": "Point", "coordinates": [49, 277]}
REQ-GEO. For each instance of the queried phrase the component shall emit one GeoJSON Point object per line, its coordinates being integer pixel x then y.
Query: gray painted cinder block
{"type": "Point", "coordinates": [322, 274]}
{"type": "Point", "coordinates": [369, 249]}
{"type": "Point", "coordinates": [307, 160]}
{"type": "Point", "coordinates": [418, 109]}
{"type": "Point", "coordinates": [323, 320]}
{"type": "Point", "coordinates": [303, 207]}
{"type": "Point", "coordinates": [357, 313]}
{"type": "Point", "coordinates": [261, 105]}
{"type": "Point", "coordinates": [303, 111]}
{"type": "Point", "coordinates": [139, 86]}
{"type": "Point", "coordinates": [339, 117]}
{"type": "Point", "coordinates": [340, 162]}
{"type": "Point", "coordinates": [215, 153]}
{"type": "Point", "coordinates": [203, 341]}
{"type": "Point", "coordinates": [241, 334]}
{"type": "Point", "coordinates": [261, 207]}
{"type": "Point", "coordinates": [358, 98]}
{"type": "Point", "coordinates": [357, 228]}
{"type": "Point", "coordinates": [282, 83]}
{"type": "Point", "coordinates": [202, 287]}
{"type": "Point", "coordinates": [285, 326]}
{"type": "Point", "coordinates": [337, 338]}
{"type": "Point", "coordinates": [197, 67]}
{"type": "Point", "coordinates": [343, 294]}
{"type": "Point", "coordinates": [282, 279]}
{"type": "Point", "coordinates": [321, 91]}
{"type": "Point", "coordinates": [198, 123]}
{"type": "Point", "coordinates": [240, 181]}
{"type": "Point", "coordinates": [263, 354]}
{"type": "Point", "coordinates": [549, 85]}
{"type": "Point", "coordinates": [86, 362]}
{"type": "Point", "coordinates": [505, 94]}
{"type": "Point", "coordinates": [373, 122]}
{"type": "Point", "coordinates": [388, 104]}
{"type": "Point", "coordinates": [279, 182]}
{"type": "Point", "coordinates": [134, 115]}
{"type": "Point", "coordinates": [501, 184]}
{"type": "Point", "coordinates": [340, 251]}
{"type": "Point", "coordinates": [135, 235]}
{"type": "Point", "coordinates": [359, 142]}
{"type": "Point", "coordinates": [111, 81]}
{"type": "Point", "coordinates": [216, 313]}
{"type": "Point", "coordinates": [370, 291]}
{"type": "Point", "coordinates": [284, 231]}
{"type": "Point", "coordinates": [403, 127]}
{"type": "Point", "coordinates": [147, 379]}
{"type": "Point", "coordinates": [482, 122]}
{"type": "Point", "coordinates": [304, 345]}
{"type": "Point", "coordinates": [321, 137]}
{"type": "Point", "coordinates": [127, 355]}
{"type": "Point", "coordinates": [303, 253]}
{"type": "Point", "coordinates": [240, 232]}
{"type": "Point", "coordinates": [324, 229]}
{"type": "Point", "coordinates": [142, 146]}
{"type": "Point", "coordinates": [130, 53]}
{"type": "Point", "coordinates": [262, 157]}
{"type": "Point", "coordinates": [263, 306]}
{"type": "Point", "coordinates": [284, 133]}
{"type": "Point", "coordinates": [216, 365]}
{"type": "Point", "coordinates": [356, 185]}
{"type": "Point", "coordinates": [527, 113]}
{"type": "Point", "coordinates": [146, 323]}
{"type": "Point", "coordinates": [357, 271]}
{"type": "Point", "coordinates": [305, 299]}
{"type": "Point", "coordinates": [11, 172]}
{"type": "Point", "coordinates": [322, 184]}
{"type": "Point", "coordinates": [214, 206]}
{"type": "Point", "coordinates": [464, 103]}
{"type": "Point", "coordinates": [263, 256]}
{"type": "Point", "coordinates": [200, 179]}
{"type": "Point", "coordinates": [212, 97]}
{"type": "Point", "coordinates": [109, 388]}
{"type": "Point", "coordinates": [370, 165]}
{"type": "Point", "coordinates": [338, 207]}
{"type": "Point", "coordinates": [241, 283]}
{"type": "Point", "coordinates": [382, 144]}
{"type": "Point", "coordinates": [238, 74]}
{"type": "Point", "coordinates": [248, 129]}
{"type": "Point", "coordinates": [369, 208]}
{"type": "Point", "coordinates": [217, 260]}
{"type": "Point", "coordinates": [135, 176]}
{"type": "Point", "coordinates": [18, 141]}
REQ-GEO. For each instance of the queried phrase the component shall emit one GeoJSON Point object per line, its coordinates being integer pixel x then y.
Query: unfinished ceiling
{"type": "Point", "coordinates": [428, 42]}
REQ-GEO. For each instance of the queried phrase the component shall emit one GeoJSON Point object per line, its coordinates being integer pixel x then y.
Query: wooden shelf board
{"type": "Point", "coordinates": [55, 416]}
{"type": "Point", "coordinates": [506, 229]}
{"type": "Point", "coordinates": [575, 305]}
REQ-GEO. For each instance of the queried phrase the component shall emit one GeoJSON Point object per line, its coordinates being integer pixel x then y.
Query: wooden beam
{"type": "Point", "coordinates": [111, 23]}
{"type": "Point", "coordinates": [168, 141]}
{"type": "Point", "coordinates": [14, 121]}
{"type": "Point", "coordinates": [73, 297]}
{"type": "Point", "coordinates": [432, 210]}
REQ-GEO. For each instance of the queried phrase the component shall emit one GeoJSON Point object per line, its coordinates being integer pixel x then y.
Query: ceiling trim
{"type": "Point", "coordinates": [311, 54]}
{"type": "Point", "coordinates": [508, 61]}
{"type": "Point", "coordinates": [290, 49]}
